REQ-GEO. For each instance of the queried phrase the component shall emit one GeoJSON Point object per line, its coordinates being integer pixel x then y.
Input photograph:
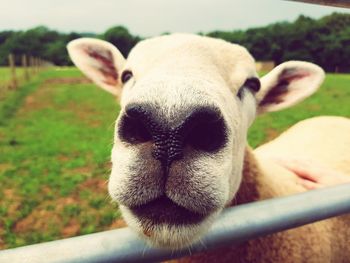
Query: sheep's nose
{"type": "Point", "coordinates": [201, 129]}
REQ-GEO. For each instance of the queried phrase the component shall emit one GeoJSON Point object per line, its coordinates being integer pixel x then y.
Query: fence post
{"type": "Point", "coordinates": [12, 65]}
{"type": "Point", "coordinates": [25, 67]}
{"type": "Point", "coordinates": [36, 65]}
{"type": "Point", "coordinates": [40, 62]}
{"type": "Point", "coordinates": [31, 65]}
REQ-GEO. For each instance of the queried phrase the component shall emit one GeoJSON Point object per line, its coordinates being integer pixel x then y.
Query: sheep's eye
{"type": "Point", "coordinates": [252, 84]}
{"type": "Point", "coordinates": [126, 75]}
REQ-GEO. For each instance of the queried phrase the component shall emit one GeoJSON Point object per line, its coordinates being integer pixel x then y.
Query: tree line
{"type": "Point", "coordinates": [324, 41]}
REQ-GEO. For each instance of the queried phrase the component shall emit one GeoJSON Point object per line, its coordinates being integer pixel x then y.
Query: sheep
{"type": "Point", "coordinates": [180, 153]}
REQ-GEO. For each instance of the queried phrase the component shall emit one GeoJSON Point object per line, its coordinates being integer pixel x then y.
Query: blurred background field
{"type": "Point", "coordinates": [55, 147]}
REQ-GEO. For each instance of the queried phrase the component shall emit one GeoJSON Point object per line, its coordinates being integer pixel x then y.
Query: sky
{"type": "Point", "coordinates": [153, 17]}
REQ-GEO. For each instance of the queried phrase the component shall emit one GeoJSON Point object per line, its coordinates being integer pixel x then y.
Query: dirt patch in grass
{"type": "Point", "coordinates": [67, 80]}
{"type": "Point", "coordinates": [88, 115]}
{"type": "Point", "coordinates": [314, 107]}
{"type": "Point", "coordinates": [38, 220]}
{"type": "Point", "coordinates": [38, 100]}
{"type": "Point", "coordinates": [2, 233]}
{"type": "Point", "coordinates": [5, 166]}
{"type": "Point", "coordinates": [42, 97]}
{"type": "Point", "coordinates": [119, 223]}
{"type": "Point", "coordinates": [2, 241]}
{"type": "Point", "coordinates": [96, 185]}
{"type": "Point", "coordinates": [63, 158]}
{"type": "Point", "coordinates": [71, 229]}
{"type": "Point", "coordinates": [45, 216]}
{"type": "Point", "coordinates": [105, 168]}
{"type": "Point", "coordinates": [9, 194]}
{"type": "Point", "coordinates": [84, 170]}
{"type": "Point", "coordinates": [13, 201]}
{"type": "Point", "coordinates": [46, 190]}
{"type": "Point", "coordinates": [271, 134]}
{"type": "Point", "coordinates": [66, 201]}
{"type": "Point", "coordinates": [14, 207]}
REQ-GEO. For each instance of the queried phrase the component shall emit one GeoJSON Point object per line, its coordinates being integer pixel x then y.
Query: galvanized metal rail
{"type": "Point", "coordinates": [234, 226]}
{"type": "Point", "coordinates": [337, 3]}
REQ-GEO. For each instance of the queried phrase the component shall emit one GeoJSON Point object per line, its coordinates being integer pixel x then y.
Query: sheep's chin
{"type": "Point", "coordinates": [169, 236]}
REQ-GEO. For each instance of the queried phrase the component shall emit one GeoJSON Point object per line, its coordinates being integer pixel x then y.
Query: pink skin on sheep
{"type": "Point", "coordinates": [313, 174]}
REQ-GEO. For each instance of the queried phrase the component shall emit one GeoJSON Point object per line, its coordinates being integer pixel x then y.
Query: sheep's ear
{"type": "Point", "coordinates": [287, 84]}
{"type": "Point", "coordinates": [98, 60]}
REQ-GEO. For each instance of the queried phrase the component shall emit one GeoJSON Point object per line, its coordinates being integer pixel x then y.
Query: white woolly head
{"type": "Point", "coordinates": [186, 104]}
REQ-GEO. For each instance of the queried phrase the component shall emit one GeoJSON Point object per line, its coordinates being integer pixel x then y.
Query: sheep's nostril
{"type": "Point", "coordinates": [205, 130]}
{"type": "Point", "coordinates": [135, 125]}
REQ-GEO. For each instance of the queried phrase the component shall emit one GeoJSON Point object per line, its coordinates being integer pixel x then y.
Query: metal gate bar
{"type": "Point", "coordinates": [337, 3]}
{"type": "Point", "coordinates": [234, 226]}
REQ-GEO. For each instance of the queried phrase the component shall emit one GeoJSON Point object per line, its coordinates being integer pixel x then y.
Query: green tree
{"type": "Point", "coordinates": [324, 41]}
{"type": "Point", "coordinates": [121, 38]}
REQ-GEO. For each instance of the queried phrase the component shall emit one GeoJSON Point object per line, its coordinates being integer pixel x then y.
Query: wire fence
{"type": "Point", "coordinates": [17, 74]}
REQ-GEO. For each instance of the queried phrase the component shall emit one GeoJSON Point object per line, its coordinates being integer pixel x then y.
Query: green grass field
{"type": "Point", "coordinates": [6, 80]}
{"type": "Point", "coordinates": [5, 75]}
{"type": "Point", "coordinates": [55, 141]}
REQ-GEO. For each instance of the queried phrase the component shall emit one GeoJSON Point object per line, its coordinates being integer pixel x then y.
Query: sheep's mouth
{"type": "Point", "coordinates": [165, 211]}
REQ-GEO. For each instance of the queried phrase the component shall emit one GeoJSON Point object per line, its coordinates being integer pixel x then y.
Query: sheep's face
{"type": "Point", "coordinates": [180, 136]}
{"type": "Point", "coordinates": [186, 105]}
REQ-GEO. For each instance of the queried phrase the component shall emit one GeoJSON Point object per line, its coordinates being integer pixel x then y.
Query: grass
{"type": "Point", "coordinates": [55, 141]}
{"type": "Point", "coordinates": [5, 75]}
